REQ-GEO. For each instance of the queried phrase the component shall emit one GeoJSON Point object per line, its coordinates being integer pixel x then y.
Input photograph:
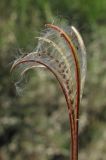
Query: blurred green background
{"type": "Point", "coordinates": [34, 125]}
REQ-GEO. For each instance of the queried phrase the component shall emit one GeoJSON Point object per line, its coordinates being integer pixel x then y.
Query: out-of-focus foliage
{"type": "Point", "coordinates": [35, 125]}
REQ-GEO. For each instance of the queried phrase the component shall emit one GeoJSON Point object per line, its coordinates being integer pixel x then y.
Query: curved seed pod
{"type": "Point", "coordinates": [81, 51]}
{"type": "Point", "coordinates": [74, 56]}
{"type": "Point", "coordinates": [63, 53]}
{"type": "Point", "coordinates": [24, 67]}
{"type": "Point", "coordinates": [66, 70]}
{"type": "Point", "coordinates": [55, 46]}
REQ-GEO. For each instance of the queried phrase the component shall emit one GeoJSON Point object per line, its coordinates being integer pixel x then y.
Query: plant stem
{"type": "Point", "coordinates": [74, 125]}
{"type": "Point", "coordinates": [73, 113]}
{"type": "Point", "coordinates": [74, 140]}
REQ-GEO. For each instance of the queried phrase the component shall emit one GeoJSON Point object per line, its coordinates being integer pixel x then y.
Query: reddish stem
{"type": "Point", "coordinates": [74, 54]}
{"type": "Point", "coordinates": [65, 94]}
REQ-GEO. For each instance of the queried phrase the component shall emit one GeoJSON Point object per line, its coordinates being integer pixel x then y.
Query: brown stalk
{"type": "Point", "coordinates": [74, 151]}
{"type": "Point", "coordinates": [73, 113]}
{"type": "Point", "coordinates": [21, 61]}
{"type": "Point", "coordinates": [62, 87]}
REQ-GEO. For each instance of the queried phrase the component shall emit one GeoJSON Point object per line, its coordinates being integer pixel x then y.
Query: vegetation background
{"type": "Point", "coordinates": [34, 125]}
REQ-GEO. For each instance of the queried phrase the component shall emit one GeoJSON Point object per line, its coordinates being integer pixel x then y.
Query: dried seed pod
{"type": "Point", "coordinates": [80, 47]}
{"type": "Point", "coordinates": [63, 53]}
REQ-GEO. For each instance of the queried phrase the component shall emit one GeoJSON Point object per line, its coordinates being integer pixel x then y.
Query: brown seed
{"type": "Point", "coordinates": [63, 70]}
{"type": "Point", "coordinates": [70, 91]}
{"type": "Point", "coordinates": [60, 65]}
{"type": "Point", "coordinates": [68, 87]}
{"type": "Point", "coordinates": [64, 76]}
{"type": "Point", "coordinates": [57, 61]}
{"type": "Point", "coordinates": [66, 70]}
{"type": "Point", "coordinates": [67, 81]}
{"type": "Point", "coordinates": [72, 101]}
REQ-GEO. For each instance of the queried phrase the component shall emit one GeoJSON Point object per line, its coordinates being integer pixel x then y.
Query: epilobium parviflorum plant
{"type": "Point", "coordinates": [61, 50]}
